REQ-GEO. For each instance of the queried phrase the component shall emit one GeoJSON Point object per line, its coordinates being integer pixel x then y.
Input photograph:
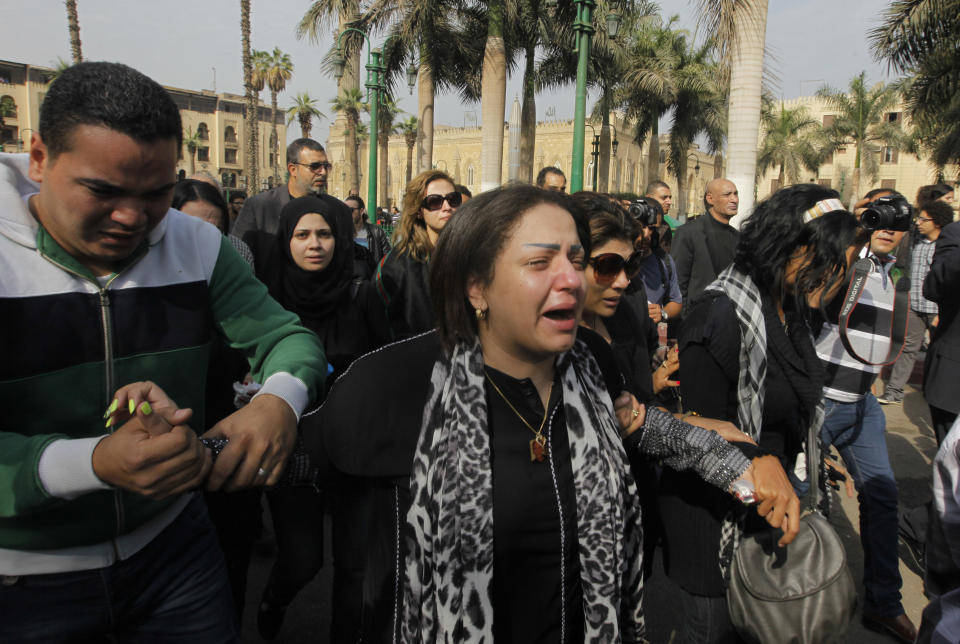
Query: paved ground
{"type": "Point", "coordinates": [911, 445]}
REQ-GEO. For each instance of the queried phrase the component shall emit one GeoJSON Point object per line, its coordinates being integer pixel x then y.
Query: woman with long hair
{"type": "Point", "coordinates": [747, 356]}
{"type": "Point", "coordinates": [403, 276]}
{"type": "Point", "coordinates": [202, 200]}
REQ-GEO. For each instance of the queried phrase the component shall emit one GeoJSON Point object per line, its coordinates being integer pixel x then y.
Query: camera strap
{"type": "Point", "coordinates": [898, 320]}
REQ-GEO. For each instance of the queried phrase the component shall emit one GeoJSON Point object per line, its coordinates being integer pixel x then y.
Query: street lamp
{"type": "Point", "coordinates": [375, 86]}
{"type": "Point", "coordinates": [595, 154]}
{"type": "Point", "coordinates": [583, 28]}
{"type": "Point", "coordinates": [616, 143]}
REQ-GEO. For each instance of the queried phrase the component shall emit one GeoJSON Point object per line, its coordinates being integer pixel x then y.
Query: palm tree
{"type": "Point", "coordinates": [58, 68]}
{"type": "Point", "coordinates": [192, 142]}
{"type": "Point", "coordinates": [922, 40]}
{"type": "Point", "coordinates": [739, 32]}
{"type": "Point", "coordinates": [792, 140]}
{"type": "Point", "coordinates": [350, 104]}
{"type": "Point", "coordinates": [387, 112]}
{"type": "Point", "coordinates": [251, 102]}
{"type": "Point", "coordinates": [304, 109]}
{"type": "Point", "coordinates": [279, 71]}
{"type": "Point", "coordinates": [409, 128]}
{"type": "Point", "coordinates": [493, 98]}
{"type": "Point", "coordinates": [861, 120]}
{"type": "Point", "coordinates": [73, 25]}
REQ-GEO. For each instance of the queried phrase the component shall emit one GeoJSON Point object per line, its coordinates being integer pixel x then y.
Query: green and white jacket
{"type": "Point", "coordinates": [69, 340]}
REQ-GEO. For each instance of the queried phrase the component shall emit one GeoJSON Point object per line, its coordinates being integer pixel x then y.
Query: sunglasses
{"type": "Point", "coordinates": [316, 166]}
{"type": "Point", "coordinates": [607, 266]}
{"type": "Point", "coordinates": [435, 202]}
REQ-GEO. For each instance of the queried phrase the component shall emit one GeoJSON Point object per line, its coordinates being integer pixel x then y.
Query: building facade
{"type": "Point", "coordinates": [217, 118]}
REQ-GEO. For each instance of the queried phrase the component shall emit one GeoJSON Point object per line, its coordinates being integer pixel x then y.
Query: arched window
{"type": "Point", "coordinates": [8, 107]}
{"type": "Point", "coordinates": [203, 131]}
{"type": "Point", "coordinates": [230, 134]}
{"type": "Point", "coordinates": [470, 175]}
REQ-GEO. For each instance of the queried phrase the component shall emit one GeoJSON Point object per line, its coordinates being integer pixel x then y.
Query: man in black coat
{"type": "Point", "coordinates": [942, 365]}
{"type": "Point", "coordinates": [257, 223]}
{"type": "Point", "coordinates": [704, 247]}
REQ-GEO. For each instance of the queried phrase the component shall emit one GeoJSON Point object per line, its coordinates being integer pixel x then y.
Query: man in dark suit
{"type": "Point", "coordinates": [942, 366]}
{"type": "Point", "coordinates": [704, 247]}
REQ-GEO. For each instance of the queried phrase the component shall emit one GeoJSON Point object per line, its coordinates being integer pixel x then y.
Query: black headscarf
{"type": "Point", "coordinates": [313, 295]}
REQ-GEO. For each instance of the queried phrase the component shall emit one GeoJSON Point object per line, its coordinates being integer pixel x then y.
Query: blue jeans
{"type": "Point", "coordinates": [857, 431]}
{"type": "Point", "coordinates": [174, 590]}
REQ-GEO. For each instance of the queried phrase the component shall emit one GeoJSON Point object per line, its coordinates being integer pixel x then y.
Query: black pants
{"type": "Point", "coordinates": [942, 420]}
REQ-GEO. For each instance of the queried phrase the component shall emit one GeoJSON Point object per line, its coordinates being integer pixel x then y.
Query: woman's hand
{"type": "Point", "coordinates": [661, 375]}
{"type": "Point", "coordinates": [630, 413]}
{"type": "Point", "coordinates": [130, 397]}
{"type": "Point", "coordinates": [776, 500]}
{"type": "Point", "coordinates": [727, 430]}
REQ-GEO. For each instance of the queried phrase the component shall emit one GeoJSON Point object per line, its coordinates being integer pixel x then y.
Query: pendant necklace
{"type": "Point", "coordinates": [539, 441]}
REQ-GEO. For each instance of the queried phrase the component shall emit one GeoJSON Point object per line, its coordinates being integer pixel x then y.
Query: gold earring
{"type": "Point", "coordinates": [480, 313]}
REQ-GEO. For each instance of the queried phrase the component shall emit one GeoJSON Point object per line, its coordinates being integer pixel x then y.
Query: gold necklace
{"type": "Point", "coordinates": [538, 442]}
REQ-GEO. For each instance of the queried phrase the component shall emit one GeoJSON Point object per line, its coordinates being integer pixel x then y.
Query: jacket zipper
{"type": "Point", "coordinates": [107, 328]}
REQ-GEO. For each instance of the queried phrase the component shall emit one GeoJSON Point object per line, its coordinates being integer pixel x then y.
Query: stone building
{"type": "Point", "coordinates": [218, 118]}
{"type": "Point", "coordinates": [900, 171]}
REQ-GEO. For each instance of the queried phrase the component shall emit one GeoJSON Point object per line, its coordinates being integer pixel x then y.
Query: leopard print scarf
{"type": "Point", "coordinates": [449, 565]}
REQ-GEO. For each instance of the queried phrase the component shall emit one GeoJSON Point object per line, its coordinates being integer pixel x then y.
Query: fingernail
{"type": "Point", "coordinates": [109, 422]}
{"type": "Point", "coordinates": [112, 408]}
{"type": "Point", "coordinates": [132, 406]}
{"type": "Point", "coordinates": [145, 408]}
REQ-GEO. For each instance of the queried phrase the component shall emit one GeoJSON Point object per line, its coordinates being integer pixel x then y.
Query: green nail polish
{"type": "Point", "coordinates": [109, 422]}
{"type": "Point", "coordinates": [146, 408]}
{"type": "Point", "coordinates": [132, 406]}
{"type": "Point", "coordinates": [112, 408]}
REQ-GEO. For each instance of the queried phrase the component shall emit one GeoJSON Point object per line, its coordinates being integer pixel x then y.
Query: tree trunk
{"type": "Point", "coordinates": [73, 25]}
{"type": "Point", "coordinates": [306, 124]}
{"type": "Point", "coordinates": [603, 162]}
{"type": "Point", "coordinates": [274, 144]}
{"type": "Point", "coordinates": [653, 158]}
{"type": "Point", "coordinates": [855, 181]}
{"type": "Point", "coordinates": [410, 147]}
{"type": "Point", "coordinates": [681, 192]}
{"type": "Point", "coordinates": [193, 162]}
{"type": "Point", "coordinates": [425, 90]}
{"type": "Point", "coordinates": [349, 80]}
{"type": "Point", "coordinates": [780, 177]}
{"type": "Point", "coordinates": [743, 116]}
{"type": "Point", "coordinates": [383, 142]}
{"type": "Point", "coordinates": [251, 157]}
{"type": "Point", "coordinates": [528, 120]}
{"type": "Point", "coordinates": [353, 158]}
{"type": "Point", "coordinates": [493, 100]}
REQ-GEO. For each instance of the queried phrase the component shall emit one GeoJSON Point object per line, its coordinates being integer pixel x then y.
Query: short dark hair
{"type": "Point", "coordinates": [111, 95]}
{"type": "Point", "coordinates": [469, 245]}
{"type": "Point", "coordinates": [462, 189]}
{"type": "Point", "coordinates": [542, 175]}
{"type": "Point", "coordinates": [195, 190]}
{"type": "Point", "coordinates": [926, 194]}
{"type": "Point", "coordinates": [294, 149]}
{"type": "Point", "coordinates": [357, 199]}
{"type": "Point", "coordinates": [939, 211]}
{"type": "Point", "coordinates": [776, 229]}
{"type": "Point", "coordinates": [653, 185]}
{"type": "Point", "coordinates": [879, 191]}
{"type": "Point", "coordinates": [608, 219]}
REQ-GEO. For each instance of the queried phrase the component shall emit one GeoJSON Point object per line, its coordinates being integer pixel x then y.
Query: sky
{"type": "Point", "coordinates": [196, 45]}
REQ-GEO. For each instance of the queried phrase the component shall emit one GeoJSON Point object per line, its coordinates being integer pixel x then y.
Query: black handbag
{"type": "Point", "coordinates": [800, 593]}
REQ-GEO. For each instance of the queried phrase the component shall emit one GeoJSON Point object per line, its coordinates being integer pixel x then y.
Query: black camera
{"type": "Point", "coordinates": [887, 213]}
{"type": "Point", "coordinates": [645, 211]}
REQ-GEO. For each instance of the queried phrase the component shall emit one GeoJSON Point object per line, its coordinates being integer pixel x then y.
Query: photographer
{"type": "Point", "coordinates": [853, 419]}
{"type": "Point", "coordinates": [658, 273]}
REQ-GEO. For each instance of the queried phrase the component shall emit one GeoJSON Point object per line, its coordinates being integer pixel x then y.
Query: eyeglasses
{"type": "Point", "coordinates": [607, 266]}
{"type": "Point", "coordinates": [924, 219]}
{"type": "Point", "coordinates": [317, 166]}
{"type": "Point", "coordinates": [435, 202]}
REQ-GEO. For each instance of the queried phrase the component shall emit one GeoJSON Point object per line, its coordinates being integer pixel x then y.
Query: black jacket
{"type": "Point", "coordinates": [257, 223]}
{"type": "Point", "coordinates": [403, 284]}
{"type": "Point", "coordinates": [696, 266]}
{"type": "Point", "coordinates": [942, 366]}
{"type": "Point", "coordinates": [377, 242]}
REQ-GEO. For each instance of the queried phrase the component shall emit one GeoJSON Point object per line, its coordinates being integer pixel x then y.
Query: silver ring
{"type": "Point", "coordinates": [261, 472]}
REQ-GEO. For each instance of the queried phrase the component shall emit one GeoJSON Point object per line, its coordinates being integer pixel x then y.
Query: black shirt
{"type": "Point", "coordinates": [721, 242]}
{"type": "Point", "coordinates": [534, 517]}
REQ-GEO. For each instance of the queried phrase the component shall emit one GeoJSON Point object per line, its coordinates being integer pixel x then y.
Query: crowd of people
{"type": "Point", "coordinates": [575, 381]}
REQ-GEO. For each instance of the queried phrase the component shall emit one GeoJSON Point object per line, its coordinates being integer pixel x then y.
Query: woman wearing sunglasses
{"type": "Point", "coordinates": [403, 276]}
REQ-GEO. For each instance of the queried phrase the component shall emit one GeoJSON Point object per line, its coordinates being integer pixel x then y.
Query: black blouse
{"type": "Point", "coordinates": [692, 511]}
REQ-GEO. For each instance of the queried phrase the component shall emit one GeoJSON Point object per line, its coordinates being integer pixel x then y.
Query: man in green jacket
{"type": "Point", "coordinates": [105, 286]}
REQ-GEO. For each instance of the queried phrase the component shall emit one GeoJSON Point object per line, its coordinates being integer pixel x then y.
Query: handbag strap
{"type": "Point", "coordinates": [812, 452]}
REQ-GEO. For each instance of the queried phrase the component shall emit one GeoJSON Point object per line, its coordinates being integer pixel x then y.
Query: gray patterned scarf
{"type": "Point", "coordinates": [747, 305]}
{"type": "Point", "coordinates": [449, 565]}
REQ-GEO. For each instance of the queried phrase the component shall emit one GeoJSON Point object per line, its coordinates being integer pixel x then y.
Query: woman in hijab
{"type": "Point", "coordinates": [311, 273]}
